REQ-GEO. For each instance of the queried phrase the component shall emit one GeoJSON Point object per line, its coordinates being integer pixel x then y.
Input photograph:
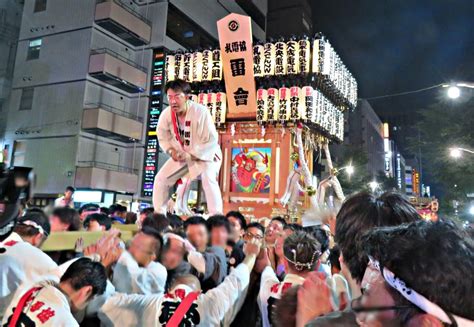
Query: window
{"type": "Point", "coordinates": [26, 101]}
{"type": "Point", "coordinates": [34, 49]}
{"type": "Point", "coordinates": [186, 32]}
{"type": "Point", "coordinates": [40, 5]}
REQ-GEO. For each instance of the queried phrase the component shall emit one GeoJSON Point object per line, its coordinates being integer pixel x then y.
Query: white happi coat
{"type": "Point", "coordinates": [130, 278]}
{"type": "Point", "coordinates": [47, 307]}
{"type": "Point", "coordinates": [271, 289]}
{"type": "Point", "coordinates": [22, 265]}
{"type": "Point", "coordinates": [208, 310]}
{"type": "Point", "coordinates": [201, 142]}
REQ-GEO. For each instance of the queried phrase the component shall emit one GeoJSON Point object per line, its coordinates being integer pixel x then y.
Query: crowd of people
{"type": "Point", "coordinates": [375, 262]}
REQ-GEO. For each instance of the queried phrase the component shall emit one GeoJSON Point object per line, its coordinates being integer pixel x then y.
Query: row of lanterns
{"type": "Point", "coordinates": [327, 62]}
{"type": "Point", "coordinates": [280, 58]}
{"type": "Point", "coordinates": [300, 104]}
{"type": "Point", "coordinates": [216, 102]}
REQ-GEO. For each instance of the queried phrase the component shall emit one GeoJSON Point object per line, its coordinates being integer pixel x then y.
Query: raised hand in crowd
{"type": "Point", "coordinates": [314, 298]}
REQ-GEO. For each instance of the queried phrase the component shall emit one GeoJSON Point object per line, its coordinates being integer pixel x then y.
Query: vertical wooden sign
{"type": "Point", "coordinates": [235, 39]}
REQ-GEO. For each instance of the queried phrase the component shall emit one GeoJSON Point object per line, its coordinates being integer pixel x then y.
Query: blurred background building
{"type": "Point", "coordinates": [80, 74]}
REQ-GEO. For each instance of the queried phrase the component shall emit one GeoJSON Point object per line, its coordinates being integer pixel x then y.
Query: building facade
{"type": "Point", "coordinates": [10, 21]}
{"type": "Point", "coordinates": [289, 18]}
{"type": "Point", "coordinates": [81, 84]}
{"type": "Point", "coordinates": [364, 133]}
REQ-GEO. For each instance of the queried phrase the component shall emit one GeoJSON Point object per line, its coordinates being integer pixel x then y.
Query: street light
{"type": "Point", "coordinates": [471, 210]}
{"type": "Point", "coordinates": [373, 185]}
{"type": "Point", "coordinates": [349, 170]}
{"type": "Point", "coordinates": [454, 92]}
{"type": "Point", "coordinates": [456, 152]}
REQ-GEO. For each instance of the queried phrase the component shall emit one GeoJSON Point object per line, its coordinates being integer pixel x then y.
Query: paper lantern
{"type": "Point", "coordinates": [304, 51]}
{"type": "Point", "coordinates": [280, 58]}
{"type": "Point", "coordinates": [341, 127]}
{"type": "Point", "coordinates": [193, 98]}
{"type": "Point", "coordinates": [188, 67]}
{"type": "Point", "coordinates": [258, 60]}
{"type": "Point", "coordinates": [220, 108]}
{"type": "Point", "coordinates": [262, 105]}
{"type": "Point", "coordinates": [326, 57]}
{"type": "Point", "coordinates": [273, 103]}
{"type": "Point", "coordinates": [295, 104]}
{"type": "Point", "coordinates": [269, 59]}
{"type": "Point", "coordinates": [308, 111]}
{"type": "Point", "coordinates": [206, 65]}
{"type": "Point", "coordinates": [316, 55]}
{"type": "Point", "coordinates": [292, 57]}
{"type": "Point", "coordinates": [318, 108]}
{"type": "Point", "coordinates": [197, 66]}
{"type": "Point", "coordinates": [284, 108]}
{"type": "Point", "coordinates": [179, 65]}
{"type": "Point", "coordinates": [170, 68]}
{"type": "Point", "coordinates": [216, 69]}
{"type": "Point", "coordinates": [210, 103]}
{"type": "Point", "coordinates": [333, 121]}
{"type": "Point", "coordinates": [202, 99]}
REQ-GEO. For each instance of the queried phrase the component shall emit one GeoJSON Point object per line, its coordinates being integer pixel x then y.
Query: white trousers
{"type": "Point", "coordinates": [172, 171]}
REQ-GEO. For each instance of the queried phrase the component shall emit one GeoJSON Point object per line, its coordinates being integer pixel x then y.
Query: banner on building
{"type": "Point", "coordinates": [235, 39]}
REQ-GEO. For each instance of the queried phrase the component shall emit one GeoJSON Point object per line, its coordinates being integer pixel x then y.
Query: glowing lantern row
{"type": "Point", "coordinates": [327, 62]}
{"type": "Point", "coordinates": [194, 67]}
{"type": "Point", "coordinates": [300, 104]}
{"type": "Point", "coordinates": [216, 103]}
{"type": "Point", "coordinates": [280, 58]}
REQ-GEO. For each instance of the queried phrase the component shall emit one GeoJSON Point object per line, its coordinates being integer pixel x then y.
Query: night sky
{"type": "Point", "coordinates": [397, 45]}
{"type": "Point", "coordinates": [393, 46]}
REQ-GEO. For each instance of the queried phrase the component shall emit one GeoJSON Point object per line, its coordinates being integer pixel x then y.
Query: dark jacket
{"type": "Point", "coordinates": [183, 268]}
{"type": "Point", "coordinates": [249, 314]}
{"type": "Point", "coordinates": [216, 268]}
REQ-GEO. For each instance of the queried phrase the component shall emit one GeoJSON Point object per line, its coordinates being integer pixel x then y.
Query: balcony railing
{"type": "Point", "coordinates": [123, 21]}
{"type": "Point", "coordinates": [112, 68]}
{"type": "Point", "coordinates": [107, 166]}
{"type": "Point", "coordinates": [127, 8]}
{"type": "Point", "coordinates": [114, 110]}
{"type": "Point", "coordinates": [118, 56]}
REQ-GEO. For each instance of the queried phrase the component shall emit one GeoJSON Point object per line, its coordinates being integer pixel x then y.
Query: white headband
{"type": "Point", "coordinates": [35, 225]}
{"type": "Point", "coordinates": [187, 245]}
{"type": "Point", "coordinates": [416, 298]}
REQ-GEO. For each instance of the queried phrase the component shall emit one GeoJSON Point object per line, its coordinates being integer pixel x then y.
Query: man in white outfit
{"type": "Point", "coordinates": [52, 303]}
{"type": "Point", "coordinates": [21, 260]}
{"type": "Point", "coordinates": [208, 309]}
{"type": "Point", "coordinates": [138, 270]}
{"type": "Point", "coordinates": [187, 134]}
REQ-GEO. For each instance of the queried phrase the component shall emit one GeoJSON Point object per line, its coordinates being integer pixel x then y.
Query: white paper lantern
{"type": "Point", "coordinates": [258, 60]}
{"type": "Point", "coordinates": [292, 57]}
{"type": "Point", "coordinates": [269, 59]}
{"type": "Point", "coordinates": [262, 105]}
{"type": "Point", "coordinates": [197, 66]}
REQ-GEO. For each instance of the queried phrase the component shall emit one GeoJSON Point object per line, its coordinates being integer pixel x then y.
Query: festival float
{"type": "Point", "coordinates": [275, 104]}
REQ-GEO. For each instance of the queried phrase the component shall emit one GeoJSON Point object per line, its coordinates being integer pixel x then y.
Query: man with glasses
{"type": "Point", "coordinates": [187, 134]}
{"type": "Point", "coordinates": [359, 214]}
{"type": "Point", "coordinates": [138, 270]}
{"type": "Point", "coordinates": [249, 314]}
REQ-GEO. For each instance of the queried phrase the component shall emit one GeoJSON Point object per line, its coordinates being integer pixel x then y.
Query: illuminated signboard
{"type": "Point", "coordinates": [150, 164]}
{"type": "Point", "coordinates": [416, 181]}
